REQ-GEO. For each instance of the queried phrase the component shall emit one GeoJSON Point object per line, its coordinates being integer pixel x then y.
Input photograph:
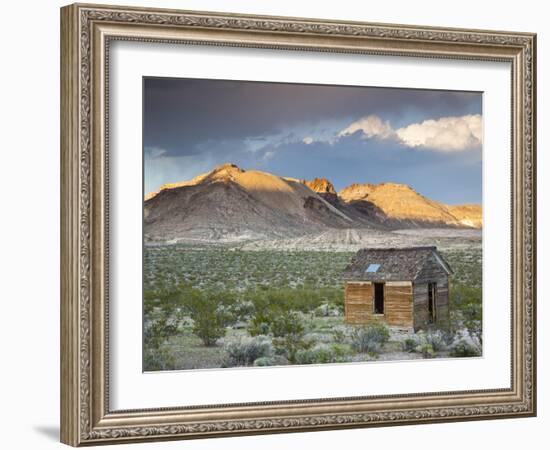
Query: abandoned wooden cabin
{"type": "Point", "coordinates": [406, 288]}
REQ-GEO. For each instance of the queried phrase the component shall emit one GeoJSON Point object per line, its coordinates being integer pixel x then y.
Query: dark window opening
{"type": "Point", "coordinates": [378, 298]}
{"type": "Point", "coordinates": [432, 292]}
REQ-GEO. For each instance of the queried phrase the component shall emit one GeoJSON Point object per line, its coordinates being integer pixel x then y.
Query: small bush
{"type": "Point", "coordinates": [243, 310]}
{"type": "Point", "coordinates": [287, 328]}
{"type": "Point", "coordinates": [288, 323]}
{"type": "Point", "coordinates": [159, 358]}
{"type": "Point", "coordinates": [263, 361]}
{"type": "Point", "coordinates": [448, 330]}
{"type": "Point", "coordinates": [472, 320]}
{"type": "Point", "coordinates": [259, 326]}
{"type": "Point", "coordinates": [370, 339]}
{"type": "Point", "coordinates": [436, 340]}
{"type": "Point", "coordinates": [275, 360]}
{"type": "Point", "coordinates": [246, 350]}
{"type": "Point", "coordinates": [276, 323]}
{"type": "Point", "coordinates": [410, 343]}
{"type": "Point", "coordinates": [466, 302]}
{"type": "Point", "coordinates": [426, 350]}
{"type": "Point", "coordinates": [327, 310]}
{"type": "Point", "coordinates": [463, 349]}
{"type": "Point", "coordinates": [159, 329]}
{"type": "Point", "coordinates": [324, 353]}
{"type": "Point", "coordinates": [340, 335]}
{"type": "Point", "coordinates": [211, 313]}
{"type": "Point", "coordinates": [289, 345]}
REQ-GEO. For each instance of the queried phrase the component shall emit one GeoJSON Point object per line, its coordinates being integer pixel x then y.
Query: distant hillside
{"type": "Point", "coordinates": [403, 207]}
{"type": "Point", "coordinates": [230, 204]}
{"type": "Point", "coordinates": [469, 215]}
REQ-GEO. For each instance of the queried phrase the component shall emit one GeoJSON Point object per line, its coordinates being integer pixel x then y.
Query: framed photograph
{"type": "Point", "coordinates": [275, 224]}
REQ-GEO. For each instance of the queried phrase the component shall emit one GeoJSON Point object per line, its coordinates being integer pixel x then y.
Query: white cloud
{"type": "Point", "coordinates": [308, 140]}
{"type": "Point", "coordinates": [447, 134]}
{"type": "Point", "coordinates": [370, 126]}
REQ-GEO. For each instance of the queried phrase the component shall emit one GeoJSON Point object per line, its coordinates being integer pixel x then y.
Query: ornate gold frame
{"type": "Point", "coordinates": [86, 31]}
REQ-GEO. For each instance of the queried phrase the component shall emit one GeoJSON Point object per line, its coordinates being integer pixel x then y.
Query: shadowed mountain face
{"type": "Point", "coordinates": [230, 204]}
{"type": "Point", "coordinates": [324, 189]}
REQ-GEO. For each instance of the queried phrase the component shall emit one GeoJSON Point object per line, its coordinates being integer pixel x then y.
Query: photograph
{"type": "Point", "coordinates": [294, 224]}
{"type": "Point", "coordinates": [291, 220]}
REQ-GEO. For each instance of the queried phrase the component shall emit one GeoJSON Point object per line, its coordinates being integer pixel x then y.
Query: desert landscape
{"type": "Point", "coordinates": [244, 268]}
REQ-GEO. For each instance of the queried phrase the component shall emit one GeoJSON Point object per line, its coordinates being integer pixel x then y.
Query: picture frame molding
{"type": "Point", "coordinates": [86, 32]}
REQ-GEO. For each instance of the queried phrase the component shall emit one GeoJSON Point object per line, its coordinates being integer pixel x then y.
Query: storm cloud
{"type": "Point", "coordinates": [426, 138]}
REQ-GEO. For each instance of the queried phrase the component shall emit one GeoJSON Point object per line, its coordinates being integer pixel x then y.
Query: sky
{"type": "Point", "coordinates": [428, 139]}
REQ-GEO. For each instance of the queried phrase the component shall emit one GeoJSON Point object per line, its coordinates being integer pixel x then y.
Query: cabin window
{"type": "Point", "coordinates": [378, 298]}
{"type": "Point", "coordinates": [432, 293]}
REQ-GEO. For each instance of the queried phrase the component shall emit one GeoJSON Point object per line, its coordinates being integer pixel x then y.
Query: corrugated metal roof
{"type": "Point", "coordinates": [395, 264]}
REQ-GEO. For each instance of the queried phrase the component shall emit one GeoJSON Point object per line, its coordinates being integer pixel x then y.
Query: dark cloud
{"type": "Point", "coordinates": [190, 121]}
{"type": "Point", "coordinates": [182, 113]}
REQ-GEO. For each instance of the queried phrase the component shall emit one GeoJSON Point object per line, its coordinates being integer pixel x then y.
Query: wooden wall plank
{"type": "Point", "coordinates": [398, 310]}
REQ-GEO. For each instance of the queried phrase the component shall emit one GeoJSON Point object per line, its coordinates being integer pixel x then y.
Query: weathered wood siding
{"type": "Point", "coordinates": [358, 298]}
{"type": "Point", "coordinates": [398, 307]}
{"type": "Point", "coordinates": [398, 304]}
{"type": "Point", "coordinates": [442, 300]}
{"type": "Point", "coordinates": [432, 272]}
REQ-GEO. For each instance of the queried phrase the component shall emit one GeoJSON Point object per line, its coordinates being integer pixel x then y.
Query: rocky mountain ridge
{"type": "Point", "coordinates": [230, 204]}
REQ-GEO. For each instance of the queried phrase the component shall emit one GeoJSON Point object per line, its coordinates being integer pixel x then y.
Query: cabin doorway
{"type": "Point", "coordinates": [432, 292]}
{"type": "Point", "coordinates": [378, 298]}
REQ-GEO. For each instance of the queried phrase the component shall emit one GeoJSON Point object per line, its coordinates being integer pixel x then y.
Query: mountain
{"type": "Point", "coordinates": [230, 204]}
{"type": "Point", "coordinates": [362, 215]}
{"type": "Point", "coordinates": [324, 189]}
{"type": "Point", "coordinates": [468, 215]}
{"type": "Point", "coordinates": [400, 206]}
